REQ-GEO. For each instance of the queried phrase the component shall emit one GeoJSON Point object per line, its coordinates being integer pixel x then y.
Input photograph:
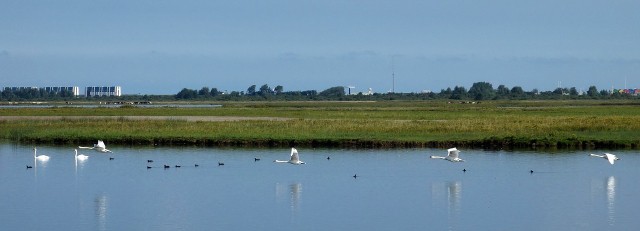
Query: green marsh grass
{"type": "Point", "coordinates": [500, 124]}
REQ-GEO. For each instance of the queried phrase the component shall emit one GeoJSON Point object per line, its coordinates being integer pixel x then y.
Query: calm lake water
{"type": "Point", "coordinates": [400, 189]}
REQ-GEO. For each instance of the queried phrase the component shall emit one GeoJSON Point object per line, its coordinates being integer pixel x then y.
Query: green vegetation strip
{"type": "Point", "coordinates": [500, 124]}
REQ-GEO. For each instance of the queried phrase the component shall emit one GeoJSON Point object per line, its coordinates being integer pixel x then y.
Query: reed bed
{"type": "Point", "coordinates": [366, 124]}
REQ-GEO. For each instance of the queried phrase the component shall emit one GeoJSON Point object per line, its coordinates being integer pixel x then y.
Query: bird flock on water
{"type": "Point", "coordinates": [453, 155]}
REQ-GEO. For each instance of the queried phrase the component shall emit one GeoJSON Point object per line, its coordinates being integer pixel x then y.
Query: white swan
{"type": "Point", "coordinates": [610, 157]}
{"type": "Point", "coordinates": [80, 157]}
{"type": "Point", "coordinates": [295, 159]}
{"type": "Point", "coordinates": [453, 156]}
{"type": "Point", "coordinates": [40, 157]}
{"type": "Point", "coordinates": [100, 147]}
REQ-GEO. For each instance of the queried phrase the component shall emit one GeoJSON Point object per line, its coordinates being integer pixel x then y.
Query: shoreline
{"type": "Point", "coordinates": [491, 143]}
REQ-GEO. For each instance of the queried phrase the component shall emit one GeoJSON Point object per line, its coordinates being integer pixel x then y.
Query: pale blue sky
{"type": "Point", "coordinates": [162, 46]}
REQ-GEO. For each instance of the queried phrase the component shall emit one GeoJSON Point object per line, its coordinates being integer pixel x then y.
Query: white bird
{"type": "Point", "coordinates": [80, 157]}
{"type": "Point", "coordinates": [100, 147]}
{"type": "Point", "coordinates": [453, 156]}
{"type": "Point", "coordinates": [295, 159]}
{"type": "Point", "coordinates": [610, 157]}
{"type": "Point", "coordinates": [40, 157]}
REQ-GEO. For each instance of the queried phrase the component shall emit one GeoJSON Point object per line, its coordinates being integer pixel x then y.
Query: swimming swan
{"type": "Point", "coordinates": [610, 157]}
{"type": "Point", "coordinates": [453, 156]}
{"type": "Point", "coordinates": [40, 157]}
{"type": "Point", "coordinates": [295, 159]}
{"type": "Point", "coordinates": [80, 157]}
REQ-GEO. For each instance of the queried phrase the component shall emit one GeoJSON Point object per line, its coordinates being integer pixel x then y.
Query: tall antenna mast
{"type": "Point", "coordinates": [393, 75]}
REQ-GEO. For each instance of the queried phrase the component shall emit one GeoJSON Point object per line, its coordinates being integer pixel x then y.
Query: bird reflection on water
{"type": "Point", "coordinates": [605, 188]}
{"type": "Point", "coordinates": [451, 192]}
{"type": "Point", "coordinates": [611, 199]}
{"type": "Point", "coordinates": [293, 191]}
{"type": "Point", "coordinates": [101, 205]}
{"type": "Point", "coordinates": [455, 194]}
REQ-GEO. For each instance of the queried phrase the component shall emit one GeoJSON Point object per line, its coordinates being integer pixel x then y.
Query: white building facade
{"type": "Point", "coordinates": [75, 90]}
{"type": "Point", "coordinates": [54, 90]}
{"type": "Point", "coordinates": [103, 91]}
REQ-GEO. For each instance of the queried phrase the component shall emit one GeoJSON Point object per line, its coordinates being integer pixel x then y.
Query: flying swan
{"type": "Point", "coordinates": [453, 156]}
{"type": "Point", "coordinates": [295, 159]}
{"type": "Point", "coordinates": [100, 147]}
{"type": "Point", "coordinates": [610, 157]}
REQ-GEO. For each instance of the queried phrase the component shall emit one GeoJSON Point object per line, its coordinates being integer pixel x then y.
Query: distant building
{"type": "Point", "coordinates": [634, 92]}
{"type": "Point", "coordinates": [55, 90]}
{"type": "Point", "coordinates": [74, 90]}
{"type": "Point", "coordinates": [103, 91]}
{"type": "Point", "coordinates": [19, 88]}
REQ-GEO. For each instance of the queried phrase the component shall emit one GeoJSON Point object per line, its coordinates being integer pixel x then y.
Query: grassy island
{"type": "Point", "coordinates": [362, 124]}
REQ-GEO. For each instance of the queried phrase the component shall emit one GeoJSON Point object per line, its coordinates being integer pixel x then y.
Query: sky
{"type": "Point", "coordinates": [162, 46]}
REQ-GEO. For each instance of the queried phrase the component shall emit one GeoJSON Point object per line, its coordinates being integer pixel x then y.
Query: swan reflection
{"type": "Point", "coordinates": [293, 191]}
{"type": "Point", "coordinates": [611, 198]}
{"type": "Point", "coordinates": [42, 159]}
{"type": "Point", "coordinates": [451, 192]}
{"type": "Point", "coordinates": [39, 163]}
{"type": "Point", "coordinates": [101, 205]}
{"type": "Point", "coordinates": [79, 161]}
{"type": "Point", "coordinates": [455, 193]}
{"type": "Point", "coordinates": [605, 188]}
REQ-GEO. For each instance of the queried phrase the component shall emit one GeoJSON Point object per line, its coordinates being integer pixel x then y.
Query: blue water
{"type": "Point", "coordinates": [396, 189]}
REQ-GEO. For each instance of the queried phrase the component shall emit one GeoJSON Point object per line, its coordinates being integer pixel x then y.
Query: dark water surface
{"type": "Point", "coordinates": [396, 190]}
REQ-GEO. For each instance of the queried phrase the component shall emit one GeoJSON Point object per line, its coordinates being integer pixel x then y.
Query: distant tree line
{"type": "Point", "coordinates": [263, 93]}
{"type": "Point", "coordinates": [485, 91]}
{"type": "Point", "coordinates": [478, 91]}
